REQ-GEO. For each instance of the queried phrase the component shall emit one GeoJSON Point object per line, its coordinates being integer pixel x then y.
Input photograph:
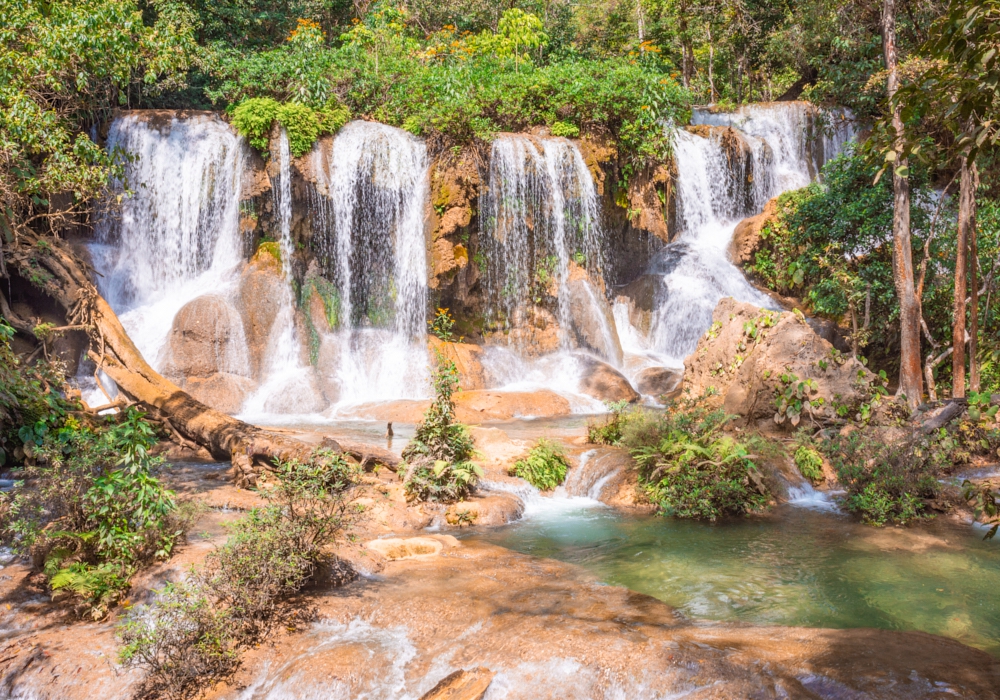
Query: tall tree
{"type": "Point", "coordinates": [910, 380]}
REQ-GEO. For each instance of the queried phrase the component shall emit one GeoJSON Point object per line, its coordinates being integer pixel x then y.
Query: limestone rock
{"type": "Point", "coordinates": [262, 288]}
{"type": "Point", "coordinates": [462, 685]}
{"type": "Point", "coordinates": [659, 381]}
{"type": "Point", "coordinates": [604, 382]}
{"type": "Point", "coordinates": [746, 238]}
{"type": "Point", "coordinates": [640, 296]}
{"type": "Point", "coordinates": [535, 332]}
{"type": "Point", "coordinates": [591, 316]}
{"type": "Point", "coordinates": [747, 371]}
{"type": "Point", "coordinates": [206, 338]}
{"type": "Point", "coordinates": [394, 548]}
{"type": "Point", "coordinates": [473, 407]}
{"type": "Point", "coordinates": [222, 391]}
{"type": "Point", "coordinates": [468, 359]}
{"type": "Point", "coordinates": [644, 198]}
{"type": "Point", "coordinates": [489, 511]}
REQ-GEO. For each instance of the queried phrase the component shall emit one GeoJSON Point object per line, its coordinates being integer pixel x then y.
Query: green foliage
{"type": "Point", "coordinates": [690, 469]}
{"type": "Point", "coordinates": [195, 632]}
{"type": "Point", "coordinates": [544, 467]}
{"type": "Point", "coordinates": [565, 129]}
{"type": "Point", "coordinates": [885, 481]}
{"type": "Point", "coordinates": [437, 462]}
{"type": "Point", "coordinates": [461, 86]}
{"type": "Point", "coordinates": [254, 117]}
{"type": "Point", "coordinates": [794, 397]}
{"type": "Point", "coordinates": [810, 463]}
{"type": "Point", "coordinates": [442, 325]}
{"type": "Point", "coordinates": [66, 65]}
{"type": "Point", "coordinates": [985, 504]}
{"type": "Point", "coordinates": [610, 431]}
{"type": "Point", "coordinates": [90, 508]}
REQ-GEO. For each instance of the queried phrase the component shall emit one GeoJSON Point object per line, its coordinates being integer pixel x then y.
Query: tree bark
{"type": "Point", "coordinates": [958, 338]}
{"type": "Point", "coordinates": [973, 280]}
{"type": "Point", "coordinates": [910, 381]}
{"type": "Point", "coordinates": [57, 271]}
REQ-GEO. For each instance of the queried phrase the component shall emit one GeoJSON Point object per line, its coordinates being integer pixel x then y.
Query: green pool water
{"type": "Point", "coordinates": [795, 567]}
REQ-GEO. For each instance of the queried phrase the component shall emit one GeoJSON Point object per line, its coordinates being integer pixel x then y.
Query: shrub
{"type": "Point", "coordinates": [544, 467]}
{"type": "Point", "coordinates": [437, 463]}
{"type": "Point", "coordinates": [690, 469]}
{"type": "Point", "coordinates": [195, 632]}
{"type": "Point", "coordinates": [565, 129]}
{"type": "Point", "coordinates": [253, 119]}
{"type": "Point", "coordinates": [610, 431]}
{"type": "Point", "coordinates": [90, 511]}
{"type": "Point", "coordinates": [810, 463]}
{"type": "Point", "coordinates": [885, 482]}
{"type": "Point", "coordinates": [179, 641]}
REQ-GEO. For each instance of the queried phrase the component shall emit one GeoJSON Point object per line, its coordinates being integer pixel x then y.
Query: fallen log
{"type": "Point", "coordinates": [53, 268]}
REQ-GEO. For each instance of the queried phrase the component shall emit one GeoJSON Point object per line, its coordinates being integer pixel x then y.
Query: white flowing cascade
{"type": "Point", "coordinates": [539, 210]}
{"type": "Point", "coordinates": [288, 384]}
{"type": "Point", "coordinates": [177, 236]}
{"type": "Point", "coordinates": [787, 148]}
{"type": "Point", "coordinates": [370, 229]}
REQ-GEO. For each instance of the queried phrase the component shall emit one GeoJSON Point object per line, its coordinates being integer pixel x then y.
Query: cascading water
{"type": "Point", "coordinates": [176, 236]}
{"type": "Point", "coordinates": [288, 384]}
{"type": "Point", "coordinates": [370, 230]}
{"type": "Point", "coordinates": [539, 211]}
{"type": "Point", "coordinates": [775, 149]}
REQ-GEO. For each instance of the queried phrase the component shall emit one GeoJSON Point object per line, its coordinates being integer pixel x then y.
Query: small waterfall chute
{"type": "Point", "coordinates": [370, 232]}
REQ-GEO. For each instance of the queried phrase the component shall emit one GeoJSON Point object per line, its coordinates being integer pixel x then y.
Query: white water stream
{"type": "Point", "coordinates": [177, 236]}
{"type": "Point", "coordinates": [785, 149]}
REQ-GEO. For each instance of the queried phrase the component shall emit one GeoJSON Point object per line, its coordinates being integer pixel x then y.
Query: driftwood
{"type": "Point", "coordinates": [56, 270]}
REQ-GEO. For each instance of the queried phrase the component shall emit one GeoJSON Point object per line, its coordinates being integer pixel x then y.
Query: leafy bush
{"type": "Point", "coordinates": [179, 641]}
{"type": "Point", "coordinates": [610, 431]}
{"type": "Point", "coordinates": [90, 511]}
{"type": "Point", "coordinates": [689, 468]}
{"type": "Point", "coordinates": [437, 463]}
{"type": "Point", "coordinates": [254, 117]}
{"type": "Point", "coordinates": [195, 632]}
{"type": "Point", "coordinates": [544, 467]}
{"type": "Point", "coordinates": [810, 463]}
{"type": "Point", "coordinates": [885, 482]}
{"type": "Point", "coordinates": [570, 131]}
{"type": "Point", "coordinates": [442, 326]}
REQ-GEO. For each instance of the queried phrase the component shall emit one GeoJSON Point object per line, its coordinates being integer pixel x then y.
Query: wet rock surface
{"type": "Point", "coordinates": [603, 382]}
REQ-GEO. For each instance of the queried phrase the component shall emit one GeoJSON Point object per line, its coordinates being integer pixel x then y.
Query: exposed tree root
{"type": "Point", "coordinates": [54, 268]}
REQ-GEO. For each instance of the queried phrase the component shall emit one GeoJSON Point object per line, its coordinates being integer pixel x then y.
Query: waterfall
{"type": "Point", "coordinates": [370, 233]}
{"type": "Point", "coordinates": [176, 235]}
{"type": "Point", "coordinates": [288, 384]}
{"type": "Point", "coordinates": [538, 213]}
{"type": "Point", "coordinates": [781, 150]}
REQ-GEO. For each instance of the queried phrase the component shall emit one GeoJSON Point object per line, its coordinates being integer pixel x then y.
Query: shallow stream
{"type": "Point", "coordinates": [794, 567]}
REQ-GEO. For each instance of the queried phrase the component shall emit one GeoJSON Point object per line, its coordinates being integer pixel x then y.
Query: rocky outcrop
{"type": "Point", "coordinates": [468, 361]}
{"type": "Point", "coordinates": [491, 510]}
{"type": "Point", "coordinates": [659, 381]}
{"type": "Point", "coordinates": [652, 198]}
{"type": "Point", "coordinates": [746, 238]}
{"type": "Point", "coordinates": [640, 297]}
{"type": "Point", "coordinates": [262, 286]}
{"type": "Point", "coordinates": [206, 337]}
{"type": "Point", "coordinates": [753, 357]}
{"type": "Point", "coordinates": [604, 382]}
{"type": "Point", "coordinates": [591, 317]}
{"type": "Point", "coordinates": [534, 333]}
{"type": "Point", "coordinates": [474, 407]}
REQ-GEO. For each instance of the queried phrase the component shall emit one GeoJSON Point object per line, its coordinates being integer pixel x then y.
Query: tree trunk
{"type": "Point", "coordinates": [973, 280]}
{"type": "Point", "coordinates": [711, 62]}
{"type": "Point", "coordinates": [910, 381]}
{"type": "Point", "coordinates": [58, 272]}
{"type": "Point", "coordinates": [958, 310]}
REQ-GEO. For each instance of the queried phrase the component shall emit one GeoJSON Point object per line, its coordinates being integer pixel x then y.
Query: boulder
{"type": "Point", "coordinates": [659, 381]}
{"type": "Point", "coordinates": [490, 511]}
{"type": "Point", "coordinates": [207, 338]}
{"type": "Point", "coordinates": [593, 323]}
{"type": "Point", "coordinates": [746, 239]}
{"type": "Point", "coordinates": [468, 359]}
{"type": "Point", "coordinates": [462, 685]}
{"type": "Point", "coordinates": [222, 391]}
{"type": "Point", "coordinates": [748, 351]}
{"type": "Point", "coordinates": [604, 382]}
{"type": "Point", "coordinates": [640, 297]}
{"type": "Point", "coordinates": [534, 332]}
{"type": "Point", "coordinates": [263, 289]}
